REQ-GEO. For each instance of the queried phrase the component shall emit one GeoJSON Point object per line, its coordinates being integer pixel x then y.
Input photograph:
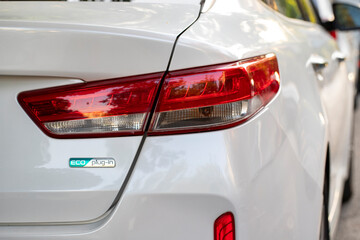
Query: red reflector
{"type": "Point", "coordinates": [333, 34]}
{"type": "Point", "coordinates": [111, 107]}
{"type": "Point", "coordinates": [224, 227]}
{"type": "Point", "coordinates": [215, 97]}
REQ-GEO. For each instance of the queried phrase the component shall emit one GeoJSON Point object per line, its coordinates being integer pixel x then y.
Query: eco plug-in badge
{"type": "Point", "coordinates": [92, 162]}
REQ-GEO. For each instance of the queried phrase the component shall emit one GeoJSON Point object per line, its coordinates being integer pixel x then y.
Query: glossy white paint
{"type": "Point", "coordinates": [89, 41]}
{"type": "Point", "coordinates": [338, 102]}
{"type": "Point", "coordinates": [86, 41]}
{"type": "Point", "coordinates": [304, 118]}
{"type": "Point", "coordinates": [284, 36]}
{"type": "Point", "coordinates": [37, 184]}
{"type": "Point", "coordinates": [338, 94]}
{"type": "Point", "coordinates": [184, 182]}
{"type": "Point", "coordinates": [349, 44]}
{"type": "Point", "coordinates": [269, 171]}
{"type": "Point", "coordinates": [348, 41]}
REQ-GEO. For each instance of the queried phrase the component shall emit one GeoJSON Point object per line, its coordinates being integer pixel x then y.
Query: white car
{"type": "Point", "coordinates": [352, 50]}
{"type": "Point", "coordinates": [172, 120]}
{"type": "Point", "coordinates": [348, 41]}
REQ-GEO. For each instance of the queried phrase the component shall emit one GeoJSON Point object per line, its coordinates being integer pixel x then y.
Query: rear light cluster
{"type": "Point", "coordinates": [192, 100]}
{"type": "Point", "coordinates": [215, 97]}
{"type": "Point", "coordinates": [102, 108]}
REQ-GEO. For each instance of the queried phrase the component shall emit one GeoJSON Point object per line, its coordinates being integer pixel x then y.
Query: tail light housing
{"type": "Point", "coordinates": [104, 108]}
{"type": "Point", "coordinates": [215, 97]}
{"type": "Point", "coordinates": [224, 227]}
{"type": "Point", "coordinates": [191, 100]}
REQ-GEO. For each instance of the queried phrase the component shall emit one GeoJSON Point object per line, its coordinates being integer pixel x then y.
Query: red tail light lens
{"type": "Point", "coordinates": [224, 227]}
{"type": "Point", "coordinates": [193, 100]}
{"type": "Point", "coordinates": [104, 108]}
{"type": "Point", "coordinates": [215, 97]}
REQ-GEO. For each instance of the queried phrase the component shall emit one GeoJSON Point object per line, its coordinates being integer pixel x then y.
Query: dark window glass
{"type": "Point", "coordinates": [308, 11]}
{"type": "Point", "coordinates": [347, 16]}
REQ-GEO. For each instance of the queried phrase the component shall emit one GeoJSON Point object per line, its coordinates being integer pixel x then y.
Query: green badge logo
{"type": "Point", "coordinates": [92, 163]}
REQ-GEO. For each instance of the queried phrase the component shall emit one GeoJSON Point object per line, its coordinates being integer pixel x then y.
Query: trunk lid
{"type": "Point", "coordinates": [45, 44]}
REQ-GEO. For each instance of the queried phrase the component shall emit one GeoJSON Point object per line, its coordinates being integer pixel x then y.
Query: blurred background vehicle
{"type": "Point", "coordinates": [348, 8]}
{"type": "Point", "coordinates": [347, 37]}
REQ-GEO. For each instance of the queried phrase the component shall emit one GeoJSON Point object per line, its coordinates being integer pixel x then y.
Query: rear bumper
{"type": "Point", "coordinates": [182, 183]}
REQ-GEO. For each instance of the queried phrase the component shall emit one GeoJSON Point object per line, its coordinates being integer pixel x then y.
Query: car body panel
{"type": "Point", "coordinates": [338, 101]}
{"type": "Point", "coordinates": [52, 49]}
{"type": "Point", "coordinates": [348, 41]}
{"type": "Point", "coordinates": [284, 44]}
{"type": "Point", "coordinates": [335, 93]}
{"type": "Point", "coordinates": [183, 190]}
{"type": "Point", "coordinates": [40, 186]}
{"type": "Point", "coordinates": [89, 41]}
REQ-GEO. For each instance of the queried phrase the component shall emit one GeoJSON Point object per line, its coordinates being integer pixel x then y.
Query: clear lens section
{"type": "Point", "coordinates": [215, 97]}
{"type": "Point", "coordinates": [210, 116]}
{"type": "Point", "coordinates": [115, 107]}
{"type": "Point", "coordinates": [131, 122]}
{"type": "Point", "coordinates": [203, 116]}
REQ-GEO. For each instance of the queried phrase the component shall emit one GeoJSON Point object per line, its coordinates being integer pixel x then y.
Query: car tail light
{"type": "Point", "coordinates": [103, 108]}
{"type": "Point", "coordinates": [224, 227]}
{"type": "Point", "coordinates": [215, 97]}
{"type": "Point", "coordinates": [191, 100]}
